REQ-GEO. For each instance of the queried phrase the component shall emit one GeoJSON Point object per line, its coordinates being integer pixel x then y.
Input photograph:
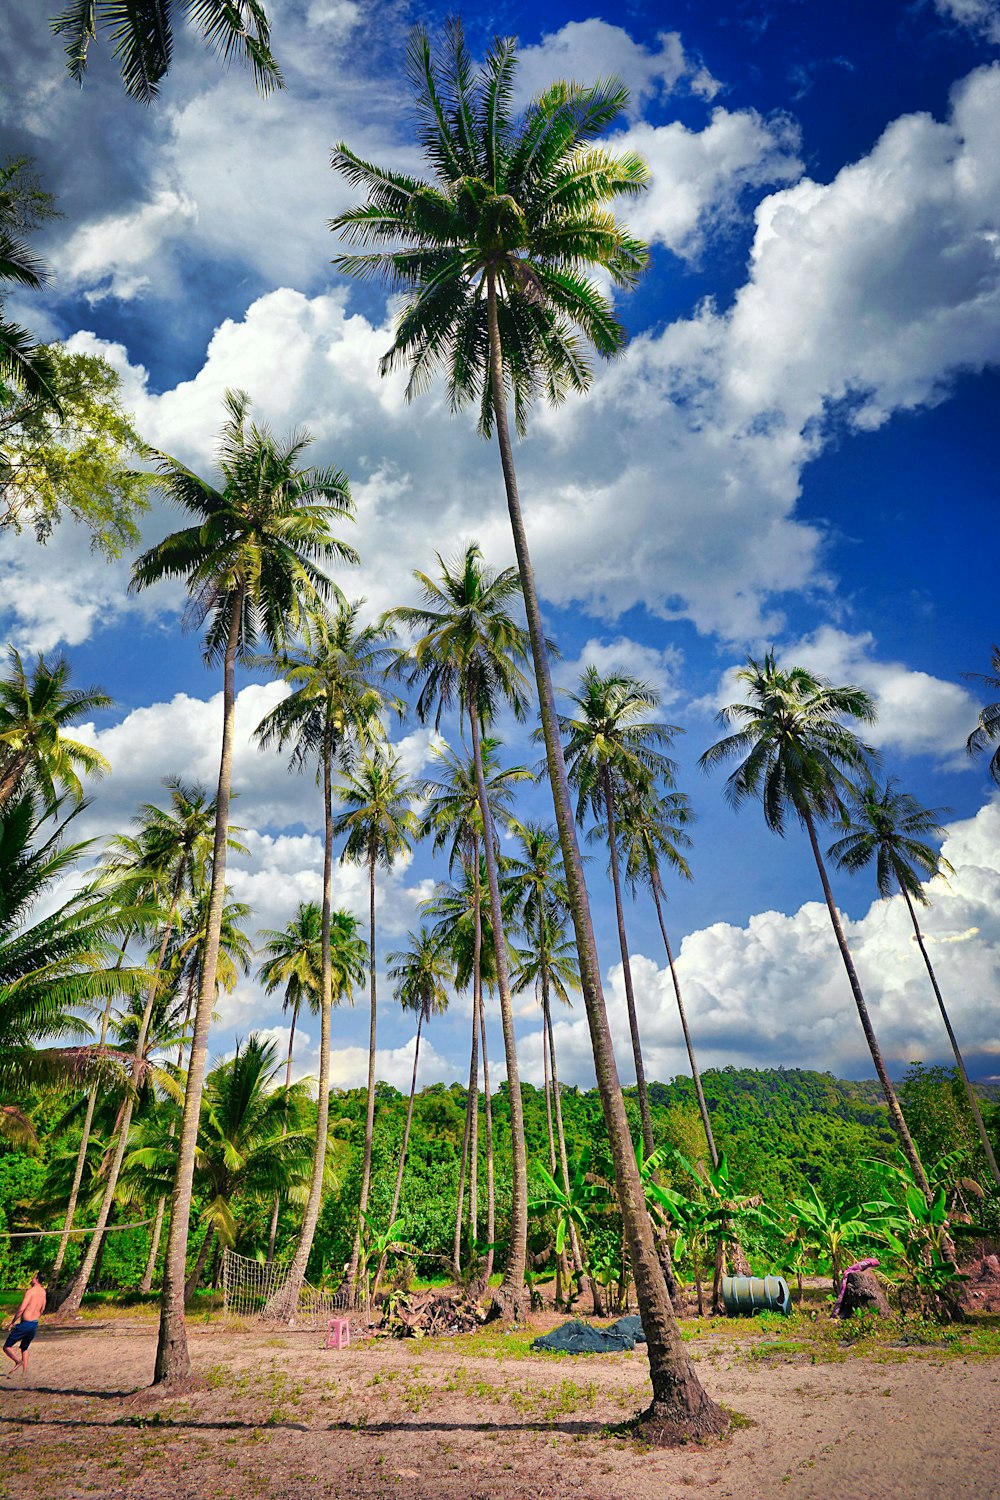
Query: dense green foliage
{"type": "Point", "coordinates": [783, 1131]}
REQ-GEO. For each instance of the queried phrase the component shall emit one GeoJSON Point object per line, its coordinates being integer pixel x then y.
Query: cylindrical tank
{"type": "Point", "coordinates": [750, 1294]}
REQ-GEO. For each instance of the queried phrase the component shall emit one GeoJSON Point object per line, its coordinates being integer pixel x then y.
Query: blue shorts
{"type": "Point", "coordinates": [22, 1333]}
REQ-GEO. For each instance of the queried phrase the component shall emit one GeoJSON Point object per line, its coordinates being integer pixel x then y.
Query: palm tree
{"type": "Point", "coordinates": [421, 974]}
{"type": "Point", "coordinates": [35, 710]}
{"type": "Point", "coordinates": [174, 846]}
{"type": "Point", "coordinates": [142, 32]}
{"type": "Point", "coordinates": [453, 821]}
{"type": "Point", "coordinates": [246, 1150]}
{"type": "Point", "coordinates": [987, 731]}
{"type": "Point", "coordinates": [892, 828]}
{"type": "Point", "coordinates": [652, 829]}
{"type": "Point", "coordinates": [468, 653]}
{"type": "Point", "coordinates": [491, 258]}
{"type": "Point", "coordinates": [252, 565]}
{"type": "Point", "coordinates": [379, 823]}
{"type": "Point", "coordinates": [52, 967]}
{"type": "Point", "coordinates": [797, 753]}
{"type": "Point", "coordinates": [613, 754]}
{"type": "Point", "coordinates": [23, 206]}
{"type": "Point", "coordinates": [294, 960]}
{"type": "Point", "coordinates": [336, 703]}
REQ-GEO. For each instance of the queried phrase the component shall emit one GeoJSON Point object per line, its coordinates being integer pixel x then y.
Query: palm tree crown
{"type": "Point", "coordinates": [987, 731]}
{"type": "Point", "coordinates": [797, 751]}
{"type": "Point", "coordinates": [611, 742]}
{"type": "Point", "coordinates": [258, 541]}
{"type": "Point", "coordinates": [515, 204]}
{"type": "Point", "coordinates": [891, 827]}
{"type": "Point", "coordinates": [35, 710]}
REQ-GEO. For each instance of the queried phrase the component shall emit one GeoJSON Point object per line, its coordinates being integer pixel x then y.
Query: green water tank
{"type": "Point", "coordinates": [744, 1295]}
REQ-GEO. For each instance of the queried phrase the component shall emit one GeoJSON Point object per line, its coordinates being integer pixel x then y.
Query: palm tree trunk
{"type": "Point", "coordinates": [193, 1281]}
{"type": "Point", "coordinates": [81, 1156]}
{"type": "Point", "coordinates": [959, 1060]}
{"type": "Point", "coordinates": [508, 1298]}
{"type": "Point", "coordinates": [680, 1407]}
{"type": "Point", "coordinates": [550, 1042]}
{"type": "Point", "coordinates": [473, 1100]}
{"type": "Point", "coordinates": [272, 1232]}
{"type": "Point", "coordinates": [895, 1112]}
{"type": "Point", "coordinates": [146, 1285]}
{"type": "Point", "coordinates": [633, 1019]}
{"type": "Point", "coordinates": [397, 1190]}
{"type": "Point", "coordinates": [548, 1085]}
{"type": "Point", "coordinates": [70, 1304]}
{"type": "Point", "coordinates": [310, 1218]}
{"type": "Point", "coordinates": [491, 1226]}
{"type": "Point", "coordinates": [695, 1074]}
{"type": "Point", "coordinates": [366, 1166]}
{"type": "Point", "coordinates": [456, 1255]}
{"type": "Point", "coordinates": [173, 1362]}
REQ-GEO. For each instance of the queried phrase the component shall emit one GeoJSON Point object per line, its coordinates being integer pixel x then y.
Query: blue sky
{"type": "Point", "coordinates": [799, 449]}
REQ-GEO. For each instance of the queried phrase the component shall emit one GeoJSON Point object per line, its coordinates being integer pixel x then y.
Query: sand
{"type": "Point", "coordinates": [480, 1419]}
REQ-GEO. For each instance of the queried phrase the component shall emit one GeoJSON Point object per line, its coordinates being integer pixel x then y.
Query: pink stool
{"type": "Point", "coordinates": [338, 1334]}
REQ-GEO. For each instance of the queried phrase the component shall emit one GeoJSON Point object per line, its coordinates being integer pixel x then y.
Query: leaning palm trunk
{"type": "Point", "coordinates": [81, 1155]}
{"type": "Point", "coordinates": [959, 1060]}
{"type": "Point", "coordinates": [173, 1362]}
{"type": "Point", "coordinates": [695, 1074]}
{"type": "Point", "coordinates": [509, 1296]}
{"type": "Point", "coordinates": [895, 1112]}
{"type": "Point", "coordinates": [633, 1019]}
{"type": "Point", "coordinates": [456, 1254]}
{"type": "Point", "coordinates": [74, 1297]}
{"type": "Point", "coordinates": [366, 1166]}
{"type": "Point", "coordinates": [397, 1190]}
{"type": "Point", "coordinates": [289, 1294]}
{"type": "Point", "coordinates": [549, 1043]}
{"type": "Point", "coordinates": [680, 1407]}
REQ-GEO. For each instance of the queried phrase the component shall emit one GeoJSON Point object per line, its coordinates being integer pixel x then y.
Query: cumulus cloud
{"type": "Point", "coordinates": [774, 991]}
{"type": "Point", "coordinates": [587, 50]}
{"type": "Point", "coordinates": [659, 668]}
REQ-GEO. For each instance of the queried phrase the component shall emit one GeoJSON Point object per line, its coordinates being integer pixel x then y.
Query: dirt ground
{"type": "Point", "coordinates": [483, 1418]}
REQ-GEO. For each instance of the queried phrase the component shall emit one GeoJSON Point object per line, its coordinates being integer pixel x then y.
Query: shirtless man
{"type": "Point", "coordinates": [25, 1324]}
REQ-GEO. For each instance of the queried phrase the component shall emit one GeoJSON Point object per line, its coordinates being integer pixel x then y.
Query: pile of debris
{"type": "Point", "coordinates": [418, 1315]}
{"type": "Point", "coordinates": [981, 1292]}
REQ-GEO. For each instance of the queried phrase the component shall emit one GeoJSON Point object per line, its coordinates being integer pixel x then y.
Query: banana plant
{"type": "Point", "coordinates": [726, 1206]}
{"type": "Point", "coordinates": [822, 1229]}
{"type": "Point", "coordinates": [586, 1198]}
{"type": "Point", "coordinates": [690, 1224]}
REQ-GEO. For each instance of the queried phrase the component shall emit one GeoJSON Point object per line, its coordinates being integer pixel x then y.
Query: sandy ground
{"type": "Point", "coordinates": [481, 1420]}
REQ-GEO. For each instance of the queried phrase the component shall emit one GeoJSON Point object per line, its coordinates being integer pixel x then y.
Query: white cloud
{"type": "Point", "coordinates": [775, 993]}
{"type": "Point", "coordinates": [980, 16]}
{"type": "Point", "coordinates": [584, 51]}
{"type": "Point", "coordinates": [698, 177]}
{"type": "Point", "coordinates": [111, 256]}
{"type": "Point", "coordinates": [877, 287]}
{"type": "Point", "coordinates": [659, 668]}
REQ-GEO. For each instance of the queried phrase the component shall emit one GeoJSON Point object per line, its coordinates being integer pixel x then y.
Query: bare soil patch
{"type": "Point", "coordinates": [480, 1417]}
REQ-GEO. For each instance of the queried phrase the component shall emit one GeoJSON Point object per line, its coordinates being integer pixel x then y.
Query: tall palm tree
{"type": "Point", "coordinates": [468, 653]}
{"type": "Point", "coordinates": [252, 563]}
{"type": "Point", "coordinates": [142, 32]}
{"type": "Point", "coordinates": [796, 754]}
{"type": "Point", "coordinates": [24, 365]}
{"type": "Point", "coordinates": [336, 704]}
{"type": "Point", "coordinates": [492, 257]}
{"type": "Point", "coordinates": [891, 828]}
{"type": "Point", "coordinates": [987, 731]}
{"type": "Point", "coordinates": [294, 963]}
{"type": "Point", "coordinates": [378, 822]}
{"type": "Point", "coordinates": [35, 710]}
{"type": "Point", "coordinates": [420, 973]}
{"type": "Point", "coordinates": [613, 753]}
{"type": "Point", "coordinates": [172, 848]}
{"type": "Point", "coordinates": [453, 821]}
{"type": "Point", "coordinates": [652, 831]}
